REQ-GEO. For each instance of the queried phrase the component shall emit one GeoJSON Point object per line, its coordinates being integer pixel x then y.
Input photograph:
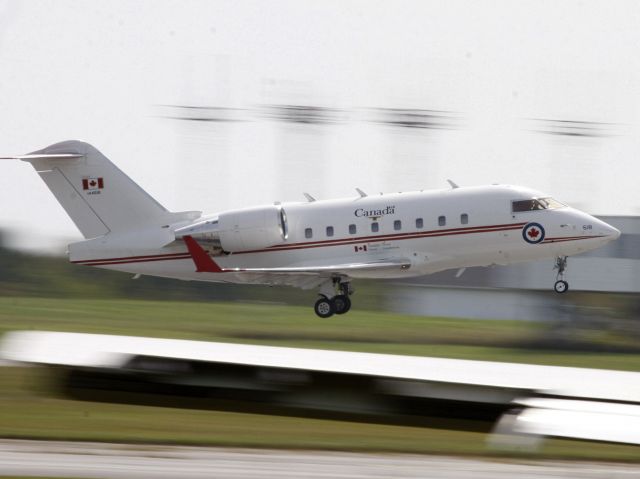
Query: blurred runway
{"type": "Point", "coordinates": [93, 460]}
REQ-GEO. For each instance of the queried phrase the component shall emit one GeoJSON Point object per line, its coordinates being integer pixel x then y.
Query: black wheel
{"type": "Point", "coordinates": [341, 304]}
{"type": "Point", "coordinates": [561, 286]}
{"type": "Point", "coordinates": [324, 308]}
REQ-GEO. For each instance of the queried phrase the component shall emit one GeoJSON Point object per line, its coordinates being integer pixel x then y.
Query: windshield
{"type": "Point", "coordinates": [535, 204]}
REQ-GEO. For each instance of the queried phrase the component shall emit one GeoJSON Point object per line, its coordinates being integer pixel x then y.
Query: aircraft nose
{"type": "Point", "coordinates": [612, 233]}
{"type": "Point", "coordinates": [604, 230]}
{"type": "Point", "coordinates": [609, 232]}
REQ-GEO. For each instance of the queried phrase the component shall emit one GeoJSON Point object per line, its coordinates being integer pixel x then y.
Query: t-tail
{"type": "Point", "coordinates": [101, 200]}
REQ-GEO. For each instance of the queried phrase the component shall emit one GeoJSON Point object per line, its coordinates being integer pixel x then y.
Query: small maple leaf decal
{"type": "Point", "coordinates": [533, 233]}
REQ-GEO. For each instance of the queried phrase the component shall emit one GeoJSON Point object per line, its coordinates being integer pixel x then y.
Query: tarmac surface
{"type": "Point", "coordinates": [94, 460]}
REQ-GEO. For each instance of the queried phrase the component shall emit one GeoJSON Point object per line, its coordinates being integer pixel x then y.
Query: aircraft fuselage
{"type": "Point", "coordinates": [433, 230]}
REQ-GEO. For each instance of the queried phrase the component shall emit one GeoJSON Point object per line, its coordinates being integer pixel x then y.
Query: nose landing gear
{"type": "Point", "coordinates": [561, 286]}
{"type": "Point", "coordinates": [331, 303]}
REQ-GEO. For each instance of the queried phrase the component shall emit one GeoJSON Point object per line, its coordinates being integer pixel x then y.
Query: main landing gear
{"type": "Point", "coordinates": [561, 286]}
{"type": "Point", "coordinates": [334, 298]}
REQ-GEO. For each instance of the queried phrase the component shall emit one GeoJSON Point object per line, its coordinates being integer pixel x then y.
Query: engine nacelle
{"type": "Point", "coordinates": [252, 228]}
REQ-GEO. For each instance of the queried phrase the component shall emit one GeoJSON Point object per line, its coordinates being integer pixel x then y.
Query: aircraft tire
{"type": "Point", "coordinates": [561, 287]}
{"type": "Point", "coordinates": [341, 304]}
{"type": "Point", "coordinates": [324, 307]}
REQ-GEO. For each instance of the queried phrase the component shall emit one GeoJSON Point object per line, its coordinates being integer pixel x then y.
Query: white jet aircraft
{"type": "Point", "coordinates": [313, 244]}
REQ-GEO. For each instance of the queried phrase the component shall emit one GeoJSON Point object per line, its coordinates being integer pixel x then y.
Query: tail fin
{"type": "Point", "coordinates": [97, 196]}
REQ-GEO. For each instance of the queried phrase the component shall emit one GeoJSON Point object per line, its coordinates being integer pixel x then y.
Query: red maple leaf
{"type": "Point", "coordinates": [533, 233]}
{"type": "Point", "coordinates": [93, 183]}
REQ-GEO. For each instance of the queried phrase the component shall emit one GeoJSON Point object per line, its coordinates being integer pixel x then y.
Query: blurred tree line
{"type": "Point", "coordinates": [26, 274]}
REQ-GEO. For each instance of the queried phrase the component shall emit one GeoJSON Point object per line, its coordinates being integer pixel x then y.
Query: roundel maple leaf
{"type": "Point", "coordinates": [533, 233]}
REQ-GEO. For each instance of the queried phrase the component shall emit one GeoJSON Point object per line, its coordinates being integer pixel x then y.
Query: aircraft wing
{"type": "Point", "coordinates": [344, 268]}
{"type": "Point", "coordinates": [205, 264]}
{"type": "Point", "coordinates": [309, 277]}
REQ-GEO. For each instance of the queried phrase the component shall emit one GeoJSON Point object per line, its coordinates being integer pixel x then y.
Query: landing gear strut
{"type": "Point", "coordinates": [561, 286]}
{"type": "Point", "coordinates": [334, 298]}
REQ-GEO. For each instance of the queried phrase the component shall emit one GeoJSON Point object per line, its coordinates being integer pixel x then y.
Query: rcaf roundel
{"type": "Point", "coordinates": [533, 233]}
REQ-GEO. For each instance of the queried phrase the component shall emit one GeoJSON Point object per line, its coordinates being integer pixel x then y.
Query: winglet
{"type": "Point", "coordinates": [203, 262]}
{"type": "Point", "coordinates": [453, 184]}
{"type": "Point", "coordinates": [361, 193]}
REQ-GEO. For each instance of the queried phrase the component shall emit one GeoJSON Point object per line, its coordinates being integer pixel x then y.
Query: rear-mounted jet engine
{"type": "Point", "coordinates": [241, 230]}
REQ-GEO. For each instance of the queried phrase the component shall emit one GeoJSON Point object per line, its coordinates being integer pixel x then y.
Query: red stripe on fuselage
{"type": "Point", "coordinates": [129, 258]}
{"type": "Point", "coordinates": [389, 237]}
{"type": "Point", "coordinates": [571, 238]}
{"type": "Point", "coordinates": [336, 242]}
{"type": "Point", "coordinates": [126, 261]}
{"type": "Point", "coordinates": [133, 259]}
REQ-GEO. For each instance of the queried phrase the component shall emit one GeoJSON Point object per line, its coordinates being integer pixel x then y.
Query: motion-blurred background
{"type": "Point", "coordinates": [217, 105]}
{"type": "Point", "coordinates": [221, 104]}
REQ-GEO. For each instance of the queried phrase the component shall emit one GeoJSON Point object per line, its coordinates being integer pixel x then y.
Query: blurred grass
{"type": "Point", "coordinates": [27, 413]}
{"type": "Point", "coordinates": [28, 409]}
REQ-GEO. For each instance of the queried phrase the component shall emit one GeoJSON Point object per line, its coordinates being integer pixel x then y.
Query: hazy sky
{"type": "Point", "coordinates": [98, 71]}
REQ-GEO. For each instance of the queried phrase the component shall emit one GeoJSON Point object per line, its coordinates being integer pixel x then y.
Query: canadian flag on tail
{"type": "Point", "coordinates": [359, 248]}
{"type": "Point", "coordinates": [92, 183]}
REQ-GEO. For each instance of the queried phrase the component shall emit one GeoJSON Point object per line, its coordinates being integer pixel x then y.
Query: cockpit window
{"type": "Point", "coordinates": [552, 204]}
{"type": "Point", "coordinates": [535, 204]}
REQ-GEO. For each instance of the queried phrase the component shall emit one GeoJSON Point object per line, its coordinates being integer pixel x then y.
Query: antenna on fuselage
{"type": "Point", "coordinates": [361, 193]}
{"type": "Point", "coordinates": [453, 185]}
{"type": "Point", "coordinates": [309, 198]}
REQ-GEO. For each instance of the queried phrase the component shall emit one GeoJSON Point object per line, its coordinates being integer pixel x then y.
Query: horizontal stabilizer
{"type": "Point", "coordinates": [56, 156]}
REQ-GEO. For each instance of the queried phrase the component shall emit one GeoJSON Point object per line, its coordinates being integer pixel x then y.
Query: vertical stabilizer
{"type": "Point", "coordinates": [97, 195]}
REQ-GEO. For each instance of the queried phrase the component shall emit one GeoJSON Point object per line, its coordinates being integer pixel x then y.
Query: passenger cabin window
{"type": "Point", "coordinates": [464, 218]}
{"type": "Point", "coordinates": [442, 220]}
{"type": "Point", "coordinates": [308, 233]}
{"type": "Point", "coordinates": [329, 230]}
{"type": "Point", "coordinates": [397, 225]}
{"type": "Point", "coordinates": [535, 204]}
{"type": "Point", "coordinates": [352, 229]}
{"type": "Point", "coordinates": [419, 223]}
{"type": "Point", "coordinates": [375, 227]}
